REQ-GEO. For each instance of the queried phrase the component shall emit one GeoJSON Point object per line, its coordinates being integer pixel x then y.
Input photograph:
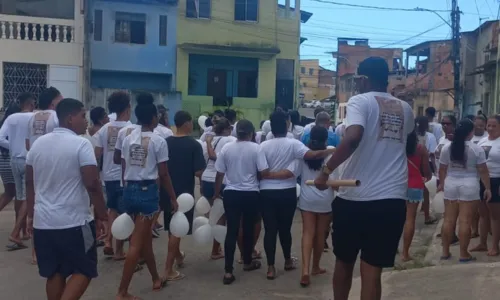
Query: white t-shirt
{"type": "Point", "coordinates": [123, 133]}
{"type": "Point", "coordinates": [106, 138]}
{"type": "Point", "coordinates": [436, 129]}
{"type": "Point", "coordinates": [163, 131]}
{"type": "Point", "coordinates": [61, 199]}
{"type": "Point", "coordinates": [428, 141]}
{"type": "Point", "coordinates": [14, 132]}
{"type": "Point", "coordinates": [476, 138]}
{"type": "Point", "coordinates": [112, 117]}
{"type": "Point", "coordinates": [233, 132]}
{"type": "Point", "coordinates": [141, 161]}
{"type": "Point", "coordinates": [258, 136]}
{"type": "Point", "coordinates": [270, 136]}
{"type": "Point", "coordinates": [297, 131]}
{"type": "Point", "coordinates": [309, 126]}
{"type": "Point", "coordinates": [208, 130]}
{"type": "Point", "coordinates": [279, 154]}
{"type": "Point", "coordinates": [443, 141]}
{"type": "Point", "coordinates": [474, 156]}
{"type": "Point", "coordinates": [340, 129]}
{"type": "Point", "coordinates": [241, 174]}
{"type": "Point", "coordinates": [380, 161]}
{"type": "Point", "coordinates": [266, 127]}
{"type": "Point", "coordinates": [492, 152]}
{"type": "Point", "coordinates": [218, 143]}
{"type": "Point", "coordinates": [311, 199]}
{"type": "Point", "coordinates": [42, 122]}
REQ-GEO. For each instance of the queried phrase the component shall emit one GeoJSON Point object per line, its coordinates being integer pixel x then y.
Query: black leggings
{"type": "Point", "coordinates": [239, 205]}
{"type": "Point", "coordinates": [278, 208]}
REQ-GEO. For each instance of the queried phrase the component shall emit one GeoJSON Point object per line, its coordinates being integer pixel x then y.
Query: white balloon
{"type": "Point", "coordinates": [330, 147]}
{"type": "Point", "coordinates": [122, 227]}
{"type": "Point", "coordinates": [198, 222]}
{"type": "Point", "coordinates": [202, 206]}
{"type": "Point", "coordinates": [220, 232]}
{"type": "Point", "coordinates": [431, 186]}
{"type": "Point", "coordinates": [186, 202]}
{"type": "Point", "coordinates": [201, 121]}
{"type": "Point", "coordinates": [216, 212]}
{"type": "Point", "coordinates": [438, 203]}
{"type": "Point", "coordinates": [298, 190]}
{"type": "Point", "coordinates": [203, 235]}
{"type": "Point", "coordinates": [179, 225]}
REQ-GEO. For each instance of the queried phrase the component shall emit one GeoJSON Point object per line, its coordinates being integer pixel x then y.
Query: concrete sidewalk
{"type": "Point", "coordinates": [478, 281]}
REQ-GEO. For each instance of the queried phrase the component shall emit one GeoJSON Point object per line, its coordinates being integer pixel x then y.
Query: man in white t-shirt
{"type": "Point", "coordinates": [370, 218]}
{"type": "Point", "coordinates": [434, 127]}
{"type": "Point", "coordinates": [105, 142]}
{"type": "Point", "coordinates": [62, 181]}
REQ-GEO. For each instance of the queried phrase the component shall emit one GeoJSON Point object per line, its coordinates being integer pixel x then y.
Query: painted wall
{"type": "Point", "coordinates": [149, 58]}
{"type": "Point", "coordinates": [309, 83]}
{"type": "Point", "coordinates": [270, 30]}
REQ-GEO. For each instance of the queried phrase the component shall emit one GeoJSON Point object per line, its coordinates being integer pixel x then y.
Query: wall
{"type": "Point", "coordinates": [148, 58]}
{"type": "Point", "coordinates": [326, 83]}
{"type": "Point", "coordinates": [309, 83]}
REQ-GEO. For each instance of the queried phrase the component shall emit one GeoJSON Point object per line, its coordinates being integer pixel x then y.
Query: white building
{"type": "Point", "coordinates": [41, 45]}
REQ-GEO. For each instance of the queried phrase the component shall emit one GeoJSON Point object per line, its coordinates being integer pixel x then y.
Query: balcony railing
{"type": "Point", "coordinates": [36, 29]}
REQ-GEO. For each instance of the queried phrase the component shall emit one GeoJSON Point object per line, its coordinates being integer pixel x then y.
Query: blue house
{"type": "Point", "coordinates": [133, 47]}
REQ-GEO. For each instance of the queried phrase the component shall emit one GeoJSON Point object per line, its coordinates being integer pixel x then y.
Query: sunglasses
{"type": "Point", "coordinates": [446, 123]}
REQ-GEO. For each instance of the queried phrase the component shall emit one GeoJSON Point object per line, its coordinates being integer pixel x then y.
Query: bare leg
{"type": "Point", "coordinates": [54, 287]}
{"type": "Point", "coordinates": [409, 229]}
{"type": "Point", "coordinates": [322, 224]}
{"type": "Point", "coordinates": [448, 230]}
{"type": "Point", "coordinates": [475, 225]}
{"type": "Point", "coordinates": [426, 207]}
{"type": "Point", "coordinates": [494, 209]}
{"type": "Point", "coordinates": [119, 254]}
{"type": "Point", "coordinates": [342, 280]}
{"type": "Point", "coordinates": [484, 228]}
{"type": "Point", "coordinates": [148, 254]}
{"type": "Point", "coordinates": [371, 282]}
{"type": "Point", "coordinates": [173, 253]}
{"type": "Point", "coordinates": [6, 198]}
{"type": "Point", "coordinates": [15, 235]}
{"type": "Point", "coordinates": [108, 242]}
{"type": "Point", "coordinates": [75, 287]}
{"type": "Point", "coordinates": [216, 248]}
{"type": "Point", "coordinates": [467, 209]}
{"type": "Point", "coordinates": [308, 229]}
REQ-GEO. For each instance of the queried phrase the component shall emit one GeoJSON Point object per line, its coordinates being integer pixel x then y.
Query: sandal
{"type": "Point", "coordinates": [292, 265]}
{"type": "Point", "coordinates": [466, 260]}
{"type": "Point", "coordinates": [163, 284]}
{"type": "Point", "coordinates": [108, 251]}
{"type": "Point", "coordinates": [228, 280]}
{"type": "Point", "coordinates": [254, 265]}
{"type": "Point", "coordinates": [431, 221]}
{"type": "Point", "coordinates": [178, 276]}
{"type": "Point", "coordinates": [15, 247]}
{"type": "Point", "coordinates": [305, 281]}
{"type": "Point", "coordinates": [271, 273]}
{"type": "Point", "coordinates": [445, 257]}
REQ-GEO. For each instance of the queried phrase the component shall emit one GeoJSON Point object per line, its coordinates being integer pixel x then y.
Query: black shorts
{"type": "Point", "coordinates": [372, 227]}
{"type": "Point", "coordinates": [166, 206]}
{"type": "Point", "coordinates": [495, 186]}
{"type": "Point", "coordinates": [66, 251]}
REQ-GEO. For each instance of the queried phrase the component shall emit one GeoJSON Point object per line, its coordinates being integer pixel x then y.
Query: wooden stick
{"type": "Point", "coordinates": [336, 183]}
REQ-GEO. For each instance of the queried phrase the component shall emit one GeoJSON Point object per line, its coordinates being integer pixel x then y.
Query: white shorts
{"type": "Point", "coordinates": [464, 189]}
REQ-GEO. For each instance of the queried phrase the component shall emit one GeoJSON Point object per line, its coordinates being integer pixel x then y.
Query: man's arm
{"type": "Point", "coordinates": [30, 191]}
{"type": "Point", "coordinates": [92, 183]}
{"type": "Point", "coordinates": [199, 161]}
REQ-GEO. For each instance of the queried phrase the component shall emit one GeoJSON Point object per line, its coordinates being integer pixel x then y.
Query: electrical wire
{"type": "Point", "coordinates": [378, 7]}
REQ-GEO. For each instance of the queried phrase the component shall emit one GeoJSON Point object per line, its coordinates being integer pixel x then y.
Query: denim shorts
{"type": "Point", "coordinates": [141, 198]}
{"type": "Point", "coordinates": [114, 196]}
{"type": "Point", "coordinates": [415, 195]}
{"type": "Point", "coordinates": [18, 166]}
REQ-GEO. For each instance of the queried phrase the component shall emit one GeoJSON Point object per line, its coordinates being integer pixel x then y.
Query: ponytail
{"type": "Point", "coordinates": [457, 148]}
{"type": "Point", "coordinates": [317, 141]}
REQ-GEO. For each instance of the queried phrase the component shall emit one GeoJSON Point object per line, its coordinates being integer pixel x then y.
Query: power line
{"type": "Point", "coordinates": [380, 7]}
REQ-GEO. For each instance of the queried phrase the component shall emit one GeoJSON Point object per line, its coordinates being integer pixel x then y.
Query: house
{"type": "Point", "coordinates": [478, 74]}
{"type": "Point", "coordinates": [316, 82]}
{"type": "Point", "coordinates": [326, 83]}
{"type": "Point", "coordinates": [41, 45]}
{"type": "Point", "coordinates": [239, 53]}
{"type": "Point", "coordinates": [133, 48]}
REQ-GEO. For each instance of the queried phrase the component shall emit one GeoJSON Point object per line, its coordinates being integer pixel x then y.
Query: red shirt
{"type": "Point", "coordinates": [415, 180]}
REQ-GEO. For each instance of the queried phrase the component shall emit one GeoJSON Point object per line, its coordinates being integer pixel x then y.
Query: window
{"type": "Point", "coordinates": [98, 25]}
{"type": "Point", "coordinates": [130, 28]}
{"type": "Point", "coordinates": [311, 72]}
{"type": "Point", "coordinates": [420, 111]}
{"type": "Point", "coordinates": [247, 84]}
{"type": "Point", "coordinates": [304, 84]}
{"type": "Point", "coordinates": [163, 30]}
{"type": "Point", "coordinates": [303, 70]}
{"type": "Point", "coordinates": [246, 10]}
{"type": "Point", "coordinates": [199, 9]}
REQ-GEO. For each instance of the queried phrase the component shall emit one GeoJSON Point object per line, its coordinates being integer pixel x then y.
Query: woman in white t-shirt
{"type": "Point", "coordinates": [462, 164]}
{"type": "Point", "coordinates": [490, 211]}
{"type": "Point", "coordinates": [295, 128]}
{"type": "Point", "coordinates": [144, 158]}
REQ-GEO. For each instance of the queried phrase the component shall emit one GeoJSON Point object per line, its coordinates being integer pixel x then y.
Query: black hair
{"type": "Point", "coordinates": [97, 114]}
{"type": "Point", "coordinates": [411, 143]}
{"type": "Point", "coordinates": [11, 109]}
{"type": "Point", "coordinates": [230, 114]}
{"type": "Point", "coordinates": [278, 123]}
{"type": "Point", "coordinates": [25, 97]}
{"type": "Point", "coordinates": [452, 119]}
{"type": "Point", "coordinates": [470, 117]}
{"type": "Point", "coordinates": [496, 117]}
{"type": "Point", "coordinates": [480, 117]}
{"type": "Point", "coordinates": [47, 96]}
{"type": "Point", "coordinates": [317, 141]}
{"type": "Point", "coordinates": [118, 102]}
{"type": "Point", "coordinates": [262, 124]}
{"type": "Point", "coordinates": [145, 111]}
{"type": "Point", "coordinates": [221, 125]}
{"type": "Point", "coordinates": [218, 113]}
{"type": "Point", "coordinates": [430, 112]}
{"type": "Point", "coordinates": [294, 117]}
{"type": "Point", "coordinates": [67, 107]}
{"type": "Point", "coordinates": [421, 125]}
{"type": "Point", "coordinates": [208, 122]}
{"type": "Point", "coordinates": [182, 117]}
{"type": "Point", "coordinates": [162, 111]}
{"type": "Point", "coordinates": [244, 129]}
{"type": "Point", "coordinates": [457, 147]}
{"type": "Point", "coordinates": [317, 110]}
{"type": "Point", "coordinates": [377, 71]}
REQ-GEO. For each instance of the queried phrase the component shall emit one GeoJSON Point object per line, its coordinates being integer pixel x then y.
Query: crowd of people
{"type": "Point", "coordinates": [59, 169]}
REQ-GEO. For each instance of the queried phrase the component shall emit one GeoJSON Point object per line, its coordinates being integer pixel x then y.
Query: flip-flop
{"type": "Point", "coordinates": [445, 257]}
{"type": "Point", "coordinates": [292, 266]}
{"type": "Point", "coordinates": [466, 260]}
{"type": "Point", "coordinates": [217, 256]}
{"type": "Point", "coordinates": [15, 247]}
{"type": "Point", "coordinates": [305, 281]}
{"type": "Point", "coordinates": [178, 276]}
{"type": "Point", "coordinates": [431, 221]}
{"type": "Point", "coordinates": [228, 280]}
{"type": "Point", "coordinates": [181, 264]}
{"type": "Point", "coordinates": [255, 265]}
{"type": "Point", "coordinates": [163, 284]}
{"type": "Point", "coordinates": [320, 272]}
{"type": "Point", "coordinates": [257, 255]}
{"type": "Point", "coordinates": [108, 251]}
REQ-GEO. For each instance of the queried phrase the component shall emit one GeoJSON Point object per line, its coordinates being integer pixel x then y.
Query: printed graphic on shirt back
{"type": "Point", "coordinates": [422, 140]}
{"type": "Point", "coordinates": [40, 122]}
{"type": "Point", "coordinates": [459, 164]}
{"type": "Point", "coordinates": [112, 136]}
{"type": "Point", "coordinates": [486, 150]}
{"type": "Point", "coordinates": [139, 153]}
{"type": "Point", "coordinates": [391, 118]}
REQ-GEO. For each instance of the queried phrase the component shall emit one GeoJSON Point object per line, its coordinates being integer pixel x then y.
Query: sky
{"type": "Point", "coordinates": [385, 29]}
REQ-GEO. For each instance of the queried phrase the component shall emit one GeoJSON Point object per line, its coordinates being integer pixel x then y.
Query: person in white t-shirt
{"type": "Point", "coordinates": [490, 211]}
{"type": "Point", "coordinates": [144, 158]}
{"type": "Point", "coordinates": [62, 181]}
{"type": "Point", "coordinates": [163, 129]}
{"type": "Point", "coordinates": [434, 127]}
{"type": "Point", "coordinates": [105, 142]}
{"type": "Point", "coordinates": [462, 165]}
{"type": "Point", "coordinates": [369, 218]}
{"type": "Point", "coordinates": [479, 129]}
{"type": "Point", "coordinates": [241, 194]}
{"type": "Point", "coordinates": [212, 121]}
{"type": "Point", "coordinates": [295, 128]}
{"type": "Point", "coordinates": [279, 196]}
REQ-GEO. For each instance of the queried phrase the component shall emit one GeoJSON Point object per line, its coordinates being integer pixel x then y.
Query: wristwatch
{"type": "Point", "coordinates": [326, 170]}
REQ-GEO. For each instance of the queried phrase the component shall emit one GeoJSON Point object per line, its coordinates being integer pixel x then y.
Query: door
{"type": "Point", "coordinates": [66, 80]}
{"type": "Point", "coordinates": [216, 82]}
{"type": "Point", "coordinates": [285, 86]}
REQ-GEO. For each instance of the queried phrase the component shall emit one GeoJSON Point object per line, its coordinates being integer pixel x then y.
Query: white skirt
{"type": "Point", "coordinates": [464, 189]}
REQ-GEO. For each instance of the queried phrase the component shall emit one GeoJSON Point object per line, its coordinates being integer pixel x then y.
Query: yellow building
{"type": "Point", "coordinates": [239, 53]}
{"type": "Point", "coordinates": [309, 79]}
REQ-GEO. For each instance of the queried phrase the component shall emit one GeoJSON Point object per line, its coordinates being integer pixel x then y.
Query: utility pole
{"type": "Point", "coordinates": [455, 55]}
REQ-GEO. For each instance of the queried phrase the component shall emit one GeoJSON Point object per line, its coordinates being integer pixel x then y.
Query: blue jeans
{"type": "Point", "coordinates": [114, 196]}
{"type": "Point", "coordinates": [141, 198]}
